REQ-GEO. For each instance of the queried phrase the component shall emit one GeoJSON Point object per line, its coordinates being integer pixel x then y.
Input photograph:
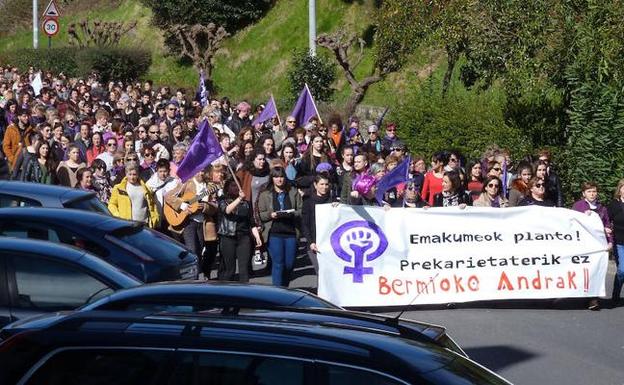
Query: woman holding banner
{"type": "Point", "coordinates": [279, 209]}
{"type": "Point", "coordinates": [589, 204]}
{"type": "Point", "coordinates": [491, 194]}
{"type": "Point", "coordinates": [453, 193]}
{"type": "Point", "coordinates": [537, 194]}
{"type": "Point", "coordinates": [520, 185]}
{"type": "Point", "coordinates": [321, 195]}
{"type": "Point", "coordinates": [616, 214]}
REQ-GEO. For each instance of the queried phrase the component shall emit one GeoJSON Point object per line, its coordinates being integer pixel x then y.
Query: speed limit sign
{"type": "Point", "coordinates": [51, 27]}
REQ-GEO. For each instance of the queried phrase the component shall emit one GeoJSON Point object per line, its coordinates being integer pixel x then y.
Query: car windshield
{"type": "Point", "coordinates": [90, 203]}
{"type": "Point", "coordinates": [152, 243]}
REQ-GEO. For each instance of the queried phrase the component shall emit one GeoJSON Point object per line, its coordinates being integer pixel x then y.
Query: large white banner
{"type": "Point", "coordinates": [369, 256]}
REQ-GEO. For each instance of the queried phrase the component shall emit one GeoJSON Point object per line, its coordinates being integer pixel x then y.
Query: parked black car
{"type": "Point", "coordinates": [146, 254]}
{"type": "Point", "coordinates": [231, 346]}
{"type": "Point", "coordinates": [25, 194]}
{"type": "Point", "coordinates": [38, 277]}
{"type": "Point", "coordinates": [184, 297]}
{"type": "Point", "coordinates": [195, 296]}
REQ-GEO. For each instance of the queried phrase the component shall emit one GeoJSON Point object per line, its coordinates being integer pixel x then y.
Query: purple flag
{"type": "Point", "coordinates": [399, 174]}
{"type": "Point", "coordinates": [268, 113]}
{"type": "Point", "coordinates": [305, 107]}
{"type": "Point", "coordinates": [504, 179]}
{"type": "Point", "coordinates": [202, 92]}
{"type": "Point", "coordinates": [204, 150]}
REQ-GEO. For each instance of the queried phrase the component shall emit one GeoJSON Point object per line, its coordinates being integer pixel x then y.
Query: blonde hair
{"type": "Point", "coordinates": [617, 194]}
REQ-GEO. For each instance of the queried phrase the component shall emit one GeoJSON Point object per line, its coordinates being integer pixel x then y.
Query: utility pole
{"type": "Point", "coordinates": [312, 26]}
{"type": "Point", "coordinates": [35, 26]}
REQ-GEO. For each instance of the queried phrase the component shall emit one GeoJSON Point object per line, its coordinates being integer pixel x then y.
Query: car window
{"type": "Point", "coordinates": [44, 284]}
{"type": "Point", "coordinates": [54, 234]}
{"type": "Point", "coordinates": [91, 204]}
{"type": "Point", "coordinates": [151, 243]}
{"type": "Point", "coordinates": [14, 201]}
{"type": "Point", "coordinates": [235, 369]}
{"type": "Point", "coordinates": [29, 230]}
{"type": "Point", "coordinates": [101, 367]}
{"type": "Point", "coordinates": [343, 375]}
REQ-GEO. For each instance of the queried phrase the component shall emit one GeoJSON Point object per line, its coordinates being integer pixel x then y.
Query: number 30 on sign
{"type": "Point", "coordinates": [50, 27]}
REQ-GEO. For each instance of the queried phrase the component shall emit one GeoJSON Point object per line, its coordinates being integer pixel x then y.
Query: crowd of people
{"type": "Point", "coordinates": [125, 142]}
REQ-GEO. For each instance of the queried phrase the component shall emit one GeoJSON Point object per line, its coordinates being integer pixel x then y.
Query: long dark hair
{"type": "Point", "coordinates": [469, 168]}
{"type": "Point", "coordinates": [277, 172]}
{"type": "Point", "coordinates": [456, 184]}
{"type": "Point", "coordinates": [50, 164]}
{"type": "Point", "coordinates": [312, 162]}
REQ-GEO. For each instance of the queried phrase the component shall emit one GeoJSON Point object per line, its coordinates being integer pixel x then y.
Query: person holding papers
{"type": "Point", "coordinates": [280, 208]}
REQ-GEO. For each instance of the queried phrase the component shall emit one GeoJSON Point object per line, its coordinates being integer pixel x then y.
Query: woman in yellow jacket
{"type": "Point", "coordinates": [132, 200]}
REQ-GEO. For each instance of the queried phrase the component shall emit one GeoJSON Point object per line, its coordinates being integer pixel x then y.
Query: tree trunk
{"type": "Point", "coordinates": [354, 99]}
{"type": "Point", "coordinates": [452, 57]}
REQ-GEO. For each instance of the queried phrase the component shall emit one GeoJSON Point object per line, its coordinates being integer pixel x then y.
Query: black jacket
{"type": "Point", "coordinates": [308, 215]}
{"type": "Point", "coordinates": [463, 198]}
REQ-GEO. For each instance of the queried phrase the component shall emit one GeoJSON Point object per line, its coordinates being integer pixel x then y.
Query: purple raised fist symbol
{"type": "Point", "coordinates": [356, 242]}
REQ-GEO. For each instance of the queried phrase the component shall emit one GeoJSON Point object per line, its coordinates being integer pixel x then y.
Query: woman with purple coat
{"type": "Point", "coordinates": [590, 204]}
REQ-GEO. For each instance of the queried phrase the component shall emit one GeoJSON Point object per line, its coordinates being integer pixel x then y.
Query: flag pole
{"type": "Point", "coordinates": [314, 104]}
{"type": "Point", "coordinates": [229, 166]}
{"type": "Point", "coordinates": [279, 121]}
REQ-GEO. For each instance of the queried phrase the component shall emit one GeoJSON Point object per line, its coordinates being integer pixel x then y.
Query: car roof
{"type": "Point", "coordinates": [68, 253]}
{"type": "Point", "coordinates": [254, 331]}
{"type": "Point", "coordinates": [37, 191]}
{"type": "Point", "coordinates": [41, 247]}
{"type": "Point", "coordinates": [78, 217]}
{"type": "Point", "coordinates": [222, 292]}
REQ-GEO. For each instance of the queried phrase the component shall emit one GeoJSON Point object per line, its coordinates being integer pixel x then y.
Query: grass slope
{"type": "Point", "coordinates": [253, 63]}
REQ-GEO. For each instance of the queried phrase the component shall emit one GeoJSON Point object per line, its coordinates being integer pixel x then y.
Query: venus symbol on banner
{"type": "Point", "coordinates": [357, 241]}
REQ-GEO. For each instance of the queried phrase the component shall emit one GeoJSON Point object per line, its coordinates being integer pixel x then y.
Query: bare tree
{"type": "Point", "coordinates": [98, 33]}
{"type": "Point", "coordinates": [340, 43]}
{"type": "Point", "coordinates": [200, 43]}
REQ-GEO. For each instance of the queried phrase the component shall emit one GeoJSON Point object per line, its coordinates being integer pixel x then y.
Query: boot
{"type": "Point", "coordinates": [617, 288]}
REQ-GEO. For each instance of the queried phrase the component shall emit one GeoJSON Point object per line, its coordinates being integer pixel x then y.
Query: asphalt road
{"type": "Point", "coordinates": [527, 342]}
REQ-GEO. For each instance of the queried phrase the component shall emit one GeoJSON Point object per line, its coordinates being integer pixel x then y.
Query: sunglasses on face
{"type": "Point", "coordinates": [453, 160]}
{"type": "Point", "coordinates": [141, 131]}
{"type": "Point", "coordinates": [111, 144]}
{"type": "Point", "coordinates": [496, 169]}
{"type": "Point", "coordinates": [539, 185]}
{"type": "Point", "coordinates": [493, 185]}
{"type": "Point", "coordinates": [154, 132]}
{"type": "Point", "coordinates": [290, 121]}
{"type": "Point", "coordinates": [149, 155]}
{"type": "Point", "coordinates": [131, 159]}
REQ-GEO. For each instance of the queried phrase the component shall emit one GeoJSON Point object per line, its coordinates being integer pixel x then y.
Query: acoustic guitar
{"type": "Point", "coordinates": [177, 217]}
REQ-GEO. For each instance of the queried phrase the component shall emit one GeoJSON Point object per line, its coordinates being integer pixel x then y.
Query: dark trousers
{"type": "Point", "coordinates": [210, 256]}
{"type": "Point", "coordinates": [233, 249]}
{"type": "Point", "coordinates": [193, 236]}
{"type": "Point", "coordinates": [283, 251]}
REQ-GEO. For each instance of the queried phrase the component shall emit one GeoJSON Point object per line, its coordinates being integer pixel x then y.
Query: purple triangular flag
{"type": "Point", "coordinates": [305, 107]}
{"type": "Point", "coordinates": [399, 174]}
{"type": "Point", "coordinates": [204, 150]}
{"type": "Point", "coordinates": [269, 112]}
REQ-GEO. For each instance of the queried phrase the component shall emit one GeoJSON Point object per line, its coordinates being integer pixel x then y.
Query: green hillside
{"type": "Point", "coordinates": [252, 63]}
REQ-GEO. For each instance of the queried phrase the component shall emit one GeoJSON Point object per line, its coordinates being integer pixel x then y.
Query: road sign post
{"type": "Point", "coordinates": [50, 23]}
{"type": "Point", "coordinates": [51, 28]}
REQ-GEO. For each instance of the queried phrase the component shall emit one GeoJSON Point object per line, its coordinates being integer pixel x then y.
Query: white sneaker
{"type": "Point", "coordinates": [257, 258]}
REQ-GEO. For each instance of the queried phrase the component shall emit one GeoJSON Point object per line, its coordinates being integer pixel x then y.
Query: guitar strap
{"type": "Point", "coordinates": [169, 179]}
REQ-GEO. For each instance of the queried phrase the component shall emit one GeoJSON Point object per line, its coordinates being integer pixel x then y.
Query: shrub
{"type": "Point", "coordinates": [56, 59]}
{"type": "Point", "coordinates": [317, 71]}
{"type": "Point", "coordinates": [114, 63]}
{"type": "Point", "coordinates": [111, 63]}
{"type": "Point", "coordinates": [469, 121]}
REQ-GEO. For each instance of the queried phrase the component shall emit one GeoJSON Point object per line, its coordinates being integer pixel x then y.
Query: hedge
{"type": "Point", "coordinates": [110, 63]}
